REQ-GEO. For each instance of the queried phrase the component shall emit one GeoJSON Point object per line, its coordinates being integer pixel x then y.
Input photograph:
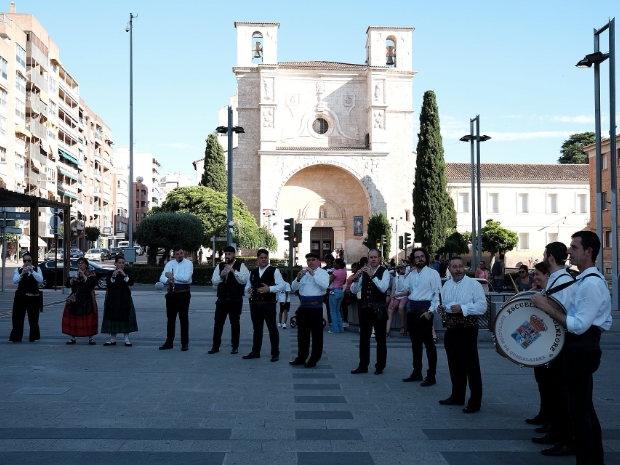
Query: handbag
{"type": "Point", "coordinates": [71, 298]}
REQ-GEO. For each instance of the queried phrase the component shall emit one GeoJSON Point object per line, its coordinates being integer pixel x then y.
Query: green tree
{"type": "Point", "coordinates": [497, 239]}
{"type": "Point", "coordinates": [164, 230]}
{"type": "Point", "coordinates": [572, 149]}
{"type": "Point", "coordinates": [210, 208]}
{"type": "Point", "coordinates": [455, 244]}
{"type": "Point", "coordinates": [377, 226]}
{"type": "Point", "coordinates": [214, 175]}
{"type": "Point", "coordinates": [92, 233]}
{"type": "Point", "coordinates": [433, 209]}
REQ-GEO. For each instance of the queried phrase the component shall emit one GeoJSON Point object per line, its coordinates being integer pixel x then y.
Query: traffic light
{"type": "Point", "coordinates": [289, 229]}
{"type": "Point", "coordinates": [407, 239]}
{"type": "Point", "coordinates": [298, 233]}
{"type": "Point", "coordinates": [400, 243]}
{"type": "Point", "coordinates": [378, 245]}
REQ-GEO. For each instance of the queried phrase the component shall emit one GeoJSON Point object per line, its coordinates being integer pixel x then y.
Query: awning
{"type": "Point", "coordinates": [69, 175]}
{"type": "Point", "coordinates": [25, 242]}
{"type": "Point", "coordinates": [67, 194]}
{"type": "Point", "coordinates": [20, 130]}
{"type": "Point", "coordinates": [36, 165]}
{"type": "Point", "coordinates": [67, 156]}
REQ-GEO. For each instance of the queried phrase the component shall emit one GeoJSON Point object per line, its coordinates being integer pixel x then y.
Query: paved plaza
{"type": "Point", "coordinates": [118, 405]}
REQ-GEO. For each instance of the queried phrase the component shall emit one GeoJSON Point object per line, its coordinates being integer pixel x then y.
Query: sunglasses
{"type": "Point", "coordinates": [26, 261]}
{"type": "Point", "coordinates": [522, 271]}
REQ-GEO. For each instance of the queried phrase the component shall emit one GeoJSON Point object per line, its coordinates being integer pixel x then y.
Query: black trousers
{"type": "Point", "coordinates": [309, 322]}
{"type": "Point", "coordinates": [177, 303]}
{"type": "Point", "coordinates": [21, 306]}
{"type": "Point", "coordinates": [461, 345]}
{"type": "Point", "coordinates": [232, 309]}
{"type": "Point", "coordinates": [265, 313]}
{"type": "Point", "coordinates": [555, 380]}
{"type": "Point", "coordinates": [579, 366]}
{"type": "Point", "coordinates": [543, 380]}
{"type": "Point", "coordinates": [368, 321]}
{"type": "Point", "coordinates": [421, 333]}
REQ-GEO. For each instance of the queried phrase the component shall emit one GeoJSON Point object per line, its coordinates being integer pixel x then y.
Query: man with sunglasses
{"type": "Point", "coordinates": [27, 300]}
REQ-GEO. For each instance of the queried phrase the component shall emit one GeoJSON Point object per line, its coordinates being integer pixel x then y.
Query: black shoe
{"type": "Point", "coordinates": [250, 355]}
{"type": "Point", "coordinates": [234, 351]}
{"type": "Point", "coordinates": [451, 401]}
{"type": "Point", "coordinates": [296, 362]}
{"type": "Point", "coordinates": [546, 439]}
{"type": "Point", "coordinates": [428, 381]}
{"type": "Point", "coordinates": [359, 370]}
{"type": "Point", "coordinates": [184, 348]}
{"type": "Point", "coordinates": [309, 364]}
{"type": "Point", "coordinates": [69, 342]}
{"type": "Point", "coordinates": [213, 351]}
{"type": "Point", "coordinates": [537, 420]}
{"type": "Point", "coordinates": [166, 346]}
{"type": "Point", "coordinates": [109, 343]}
{"type": "Point", "coordinates": [92, 342]}
{"type": "Point", "coordinates": [546, 428]}
{"type": "Point", "coordinates": [128, 344]}
{"type": "Point", "coordinates": [413, 377]}
{"type": "Point", "coordinates": [558, 451]}
{"type": "Point", "coordinates": [378, 371]}
{"type": "Point", "coordinates": [469, 409]}
{"type": "Point", "coordinates": [275, 358]}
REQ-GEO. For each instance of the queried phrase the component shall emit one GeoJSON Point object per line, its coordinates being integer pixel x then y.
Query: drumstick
{"type": "Point", "coordinates": [514, 284]}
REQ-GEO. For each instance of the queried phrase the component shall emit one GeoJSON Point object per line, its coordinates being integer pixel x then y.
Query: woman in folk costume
{"type": "Point", "coordinates": [80, 316]}
{"type": "Point", "coordinates": [119, 313]}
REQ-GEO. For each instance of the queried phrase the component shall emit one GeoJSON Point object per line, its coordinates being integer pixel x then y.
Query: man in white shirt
{"type": "Point", "coordinates": [230, 278]}
{"type": "Point", "coordinates": [588, 314]}
{"type": "Point", "coordinates": [177, 275]}
{"type": "Point", "coordinates": [463, 301]}
{"type": "Point", "coordinates": [312, 283]}
{"type": "Point", "coordinates": [424, 285]}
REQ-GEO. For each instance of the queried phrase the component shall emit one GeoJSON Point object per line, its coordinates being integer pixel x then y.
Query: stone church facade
{"type": "Point", "coordinates": [325, 143]}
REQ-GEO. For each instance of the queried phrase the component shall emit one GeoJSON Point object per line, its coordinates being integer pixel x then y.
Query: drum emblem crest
{"type": "Point", "coordinates": [526, 334]}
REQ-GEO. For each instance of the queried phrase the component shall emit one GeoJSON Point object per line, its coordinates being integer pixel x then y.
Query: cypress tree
{"type": "Point", "coordinates": [433, 209]}
{"type": "Point", "coordinates": [214, 175]}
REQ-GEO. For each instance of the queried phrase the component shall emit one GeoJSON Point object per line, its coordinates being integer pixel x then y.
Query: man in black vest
{"type": "Point", "coordinates": [373, 280]}
{"type": "Point", "coordinates": [230, 278]}
{"type": "Point", "coordinates": [264, 284]}
{"type": "Point", "coordinates": [27, 299]}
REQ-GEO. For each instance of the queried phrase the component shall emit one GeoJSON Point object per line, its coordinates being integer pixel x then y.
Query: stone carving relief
{"type": "Point", "coordinates": [348, 102]}
{"type": "Point", "coordinates": [378, 91]}
{"type": "Point", "coordinates": [267, 117]}
{"type": "Point", "coordinates": [320, 90]}
{"type": "Point", "coordinates": [292, 102]}
{"type": "Point", "coordinates": [378, 119]}
{"type": "Point", "coordinates": [268, 89]}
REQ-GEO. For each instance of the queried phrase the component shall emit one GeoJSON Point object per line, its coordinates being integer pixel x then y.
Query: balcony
{"type": "Point", "coordinates": [20, 146]}
{"type": "Point", "coordinates": [6, 27]}
{"type": "Point", "coordinates": [35, 105]}
{"type": "Point", "coordinates": [36, 54]}
{"type": "Point", "coordinates": [36, 129]}
{"type": "Point", "coordinates": [72, 93]}
{"type": "Point", "coordinates": [71, 189]}
{"type": "Point", "coordinates": [37, 80]}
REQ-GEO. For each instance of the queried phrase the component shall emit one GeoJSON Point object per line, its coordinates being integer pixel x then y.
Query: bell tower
{"type": "Point", "coordinates": [257, 43]}
{"type": "Point", "coordinates": [389, 46]}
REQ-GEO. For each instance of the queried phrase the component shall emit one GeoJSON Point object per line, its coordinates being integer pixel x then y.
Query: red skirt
{"type": "Point", "coordinates": [80, 325]}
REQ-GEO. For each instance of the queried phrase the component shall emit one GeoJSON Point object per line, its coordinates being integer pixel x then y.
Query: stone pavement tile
{"type": "Point", "coordinates": [200, 434]}
{"type": "Point", "coordinates": [294, 424]}
{"type": "Point", "coordinates": [49, 458]}
{"type": "Point", "coordinates": [471, 445]}
{"type": "Point", "coordinates": [232, 445]}
{"type": "Point", "coordinates": [267, 415]}
{"type": "Point", "coordinates": [298, 446]}
{"type": "Point", "coordinates": [390, 445]}
{"type": "Point", "coordinates": [390, 433]}
{"type": "Point", "coordinates": [304, 434]}
{"type": "Point", "coordinates": [201, 412]}
{"type": "Point", "coordinates": [316, 387]}
{"type": "Point", "coordinates": [478, 433]}
{"type": "Point", "coordinates": [321, 414]}
{"type": "Point", "coordinates": [334, 458]}
{"type": "Point", "coordinates": [408, 458]}
{"type": "Point", "coordinates": [235, 406]}
{"type": "Point", "coordinates": [513, 458]}
{"type": "Point", "coordinates": [320, 400]}
{"type": "Point", "coordinates": [314, 375]}
{"type": "Point", "coordinates": [263, 433]}
{"type": "Point", "coordinates": [233, 423]}
{"type": "Point", "coordinates": [264, 458]}
{"type": "Point", "coordinates": [61, 444]}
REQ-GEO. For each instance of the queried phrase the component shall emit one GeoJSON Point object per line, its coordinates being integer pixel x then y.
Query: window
{"type": "Point", "coordinates": [52, 84]}
{"type": "Point", "coordinates": [2, 126]}
{"type": "Point", "coordinates": [320, 126]}
{"type": "Point", "coordinates": [3, 95]}
{"type": "Point", "coordinates": [581, 203]}
{"type": "Point", "coordinates": [552, 237]}
{"type": "Point", "coordinates": [20, 82]}
{"type": "Point", "coordinates": [607, 241]}
{"type": "Point", "coordinates": [2, 155]}
{"type": "Point", "coordinates": [604, 200]}
{"type": "Point", "coordinates": [604, 158]}
{"type": "Point", "coordinates": [20, 55]}
{"type": "Point", "coordinates": [522, 203]}
{"type": "Point", "coordinates": [4, 68]}
{"type": "Point", "coordinates": [390, 52]}
{"type": "Point", "coordinates": [257, 48]}
{"type": "Point", "coordinates": [463, 203]}
{"type": "Point", "coordinates": [552, 203]}
{"type": "Point", "coordinates": [20, 108]}
{"type": "Point", "coordinates": [137, 216]}
{"type": "Point", "coordinates": [524, 241]}
{"type": "Point", "coordinates": [493, 203]}
{"type": "Point", "coordinates": [407, 215]}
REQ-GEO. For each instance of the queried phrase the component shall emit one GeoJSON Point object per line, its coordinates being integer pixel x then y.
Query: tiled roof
{"type": "Point", "coordinates": [320, 65]}
{"type": "Point", "coordinates": [322, 148]}
{"type": "Point", "coordinates": [509, 171]}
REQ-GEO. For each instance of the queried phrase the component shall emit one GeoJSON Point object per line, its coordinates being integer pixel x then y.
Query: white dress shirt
{"type": "Point", "coordinates": [37, 275]}
{"type": "Point", "coordinates": [556, 279]}
{"type": "Point", "coordinates": [590, 303]}
{"type": "Point", "coordinates": [425, 285]}
{"type": "Point", "coordinates": [280, 283]}
{"type": "Point", "coordinates": [242, 276]}
{"type": "Point", "coordinates": [467, 293]}
{"type": "Point", "coordinates": [382, 283]}
{"type": "Point", "coordinates": [183, 271]}
{"type": "Point", "coordinates": [312, 285]}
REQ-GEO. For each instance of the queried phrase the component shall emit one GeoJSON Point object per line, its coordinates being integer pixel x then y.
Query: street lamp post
{"type": "Point", "coordinates": [396, 241]}
{"type": "Point", "coordinates": [476, 210]}
{"type": "Point", "coordinates": [129, 29]}
{"type": "Point", "coordinates": [229, 130]}
{"type": "Point", "coordinates": [596, 59]}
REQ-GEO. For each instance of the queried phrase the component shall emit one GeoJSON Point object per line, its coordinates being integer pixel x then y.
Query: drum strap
{"type": "Point", "coordinates": [553, 290]}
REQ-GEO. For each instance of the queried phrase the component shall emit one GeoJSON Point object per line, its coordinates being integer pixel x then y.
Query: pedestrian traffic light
{"type": "Point", "coordinates": [383, 239]}
{"type": "Point", "coordinates": [407, 239]}
{"type": "Point", "coordinates": [378, 245]}
{"type": "Point", "coordinates": [400, 242]}
{"type": "Point", "coordinates": [289, 229]}
{"type": "Point", "coordinates": [298, 233]}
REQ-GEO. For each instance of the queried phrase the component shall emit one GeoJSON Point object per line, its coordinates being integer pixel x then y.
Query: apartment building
{"type": "Point", "coordinates": [172, 181]}
{"type": "Point", "coordinates": [49, 139]}
{"type": "Point", "coordinates": [141, 200]}
{"type": "Point", "coordinates": [121, 195]}
{"type": "Point", "coordinates": [146, 166]}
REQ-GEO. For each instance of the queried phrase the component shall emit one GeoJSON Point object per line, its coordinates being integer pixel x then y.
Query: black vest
{"type": "Point", "coordinates": [229, 287]}
{"type": "Point", "coordinates": [28, 285]}
{"type": "Point", "coordinates": [269, 278]}
{"type": "Point", "coordinates": [370, 292]}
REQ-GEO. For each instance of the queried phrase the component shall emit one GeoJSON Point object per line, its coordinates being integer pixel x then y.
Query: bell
{"type": "Point", "coordinates": [390, 55]}
{"type": "Point", "coordinates": [258, 50]}
{"type": "Point", "coordinates": [390, 61]}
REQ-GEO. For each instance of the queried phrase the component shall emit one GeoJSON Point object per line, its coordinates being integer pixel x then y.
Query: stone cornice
{"type": "Point", "coordinates": [325, 153]}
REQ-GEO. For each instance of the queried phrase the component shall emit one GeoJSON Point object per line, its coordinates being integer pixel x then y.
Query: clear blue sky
{"type": "Point", "coordinates": [511, 62]}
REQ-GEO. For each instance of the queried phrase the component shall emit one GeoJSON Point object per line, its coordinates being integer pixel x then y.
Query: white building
{"type": "Point", "coordinates": [541, 203]}
{"type": "Point", "coordinates": [145, 165]}
{"type": "Point", "coordinates": [172, 181]}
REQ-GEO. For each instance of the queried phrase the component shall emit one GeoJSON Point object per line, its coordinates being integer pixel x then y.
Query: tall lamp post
{"type": "Point", "coordinates": [476, 238]}
{"type": "Point", "coordinates": [129, 28]}
{"type": "Point", "coordinates": [229, 130]}
{"type": "Point", "coordinates": [596, 59]}
{"type": "Point", "coordinates": [396, 241]}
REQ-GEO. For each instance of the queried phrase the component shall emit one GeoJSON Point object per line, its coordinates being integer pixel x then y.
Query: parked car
{"type": "Point", "coordinates": [94, 254]}
{"type": "Point", "coordinates": [76, 253]}
{"type": "Point", "coordinates": [51, 254]}
{"type": "Point", "coordinates": [48, 269]}
{"type": "Point", "coordinates": [115, 252]}
{"type": "Point", "coordinates": [106, 254]}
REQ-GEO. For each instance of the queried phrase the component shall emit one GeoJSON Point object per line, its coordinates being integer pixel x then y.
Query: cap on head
{"type": "Point", "coordinates": [313, 255]}
{"type": "Point", "coordinates": [230, 248]}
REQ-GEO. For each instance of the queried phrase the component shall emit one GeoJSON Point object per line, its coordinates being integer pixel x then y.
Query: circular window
{"type": "Point", "coordinates": [320, 126]}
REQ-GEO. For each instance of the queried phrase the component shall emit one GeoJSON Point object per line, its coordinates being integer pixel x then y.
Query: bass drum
{"type": "Point", "coordinates": [526, 335]}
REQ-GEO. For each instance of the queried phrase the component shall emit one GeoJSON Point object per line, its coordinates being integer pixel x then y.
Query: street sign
{"type": "Point", "coordinates": [11, 230]}
{"type": "Point", "coordinates": [18, 215]}
{"type": "Point", "coordinates": [55, 222]}
{"type": "Point", "coordinates": [218, 239]}
{"type": "Point", "coordinates": [55, 211]}
{"type": "Point", "coordinates": [54, 232]}
{"type": "Point", "coordinates": [6, 223]}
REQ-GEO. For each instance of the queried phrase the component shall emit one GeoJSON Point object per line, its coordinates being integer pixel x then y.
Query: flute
{"type": "Point", "coordinates": [442, 312]}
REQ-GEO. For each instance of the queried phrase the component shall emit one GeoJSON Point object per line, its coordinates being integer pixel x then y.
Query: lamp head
{"type": "Point", "coordinates": [466, 138]}
{"type": "Point", "coordinates": [221, 130]}
{"type": "Point", "coordinates": [592, 59]}
{"type": "Point", "coordinates": [484, 138]}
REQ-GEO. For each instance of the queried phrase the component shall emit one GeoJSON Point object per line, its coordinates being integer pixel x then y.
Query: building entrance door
{"type": "Point", "coordinates": [322, 241]}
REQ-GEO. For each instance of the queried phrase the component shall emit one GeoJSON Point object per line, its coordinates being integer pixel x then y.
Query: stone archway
{"type": "Point", "coordinates": [326, 196]}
